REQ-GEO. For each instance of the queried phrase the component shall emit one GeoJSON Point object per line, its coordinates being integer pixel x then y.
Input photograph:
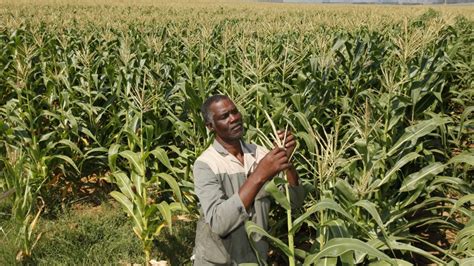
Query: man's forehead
{"type": "Point", "coordinates": [222, 106]}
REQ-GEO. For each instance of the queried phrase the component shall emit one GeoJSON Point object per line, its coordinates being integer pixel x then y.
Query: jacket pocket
{"type": "Point", "coordinates": [210, 247]}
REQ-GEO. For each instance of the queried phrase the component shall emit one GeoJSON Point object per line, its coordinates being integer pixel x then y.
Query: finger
{"type": "Point", "coordinates": [284, 166]}
{"type": "Point", "coordinates": [281, 157]}
{"type": "Point", "coordinates": [278, 159]}
{"type": "Point", "coordinates": [289, 137]}
{"type": "Point", "coordinates": [274, 153]}
{"type": "Point", "coordinates": [275, 150]}
{"type": "Point", "coordinates": [280, 151]}
{"type": "Point", "coordinates": [281, 135]}
{"type": "Point", "coordinates": [291, 140]}
{"type": "Point", "coordinates": [290, 144]}
{"type": "Point", "coordinates": [286, 136]}
{"type": "Point", "coordinates": [283, 160]}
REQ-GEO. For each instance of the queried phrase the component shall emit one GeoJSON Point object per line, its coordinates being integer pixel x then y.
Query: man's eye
{"type": "Point", "coordinates": [225, 116]}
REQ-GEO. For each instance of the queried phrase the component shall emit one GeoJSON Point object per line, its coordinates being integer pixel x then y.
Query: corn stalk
{"type": "Point", "coordinates": [134, 181]}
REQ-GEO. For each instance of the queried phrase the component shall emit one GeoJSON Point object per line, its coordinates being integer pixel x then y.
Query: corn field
{"type": "Point", "coordinates": [379, 97]}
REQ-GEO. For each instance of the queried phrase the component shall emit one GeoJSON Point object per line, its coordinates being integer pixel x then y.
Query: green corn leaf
{"type": "Point", "coordinates": [51, 114]}
{"type": "Point", "coordinates": [162, 156]}
{"type": "Point", "coordinates": [338, 246]}
{"type": "Point", "coordinates": [71, 145]}
{"type": "Point", "coordinates": [101, 150]}
{"type": "Point", "coordinates": [465, 239]}
{"type": "Point", "coordinates": [123, 182]}
{"type": "Point", "coordinates": [86, 107]}
{"type": "Point", "coordinates": [400, 163]}
{"type": "Point", "coordinates": [346, 190]}
{"type": "Point", "coordinates": [394, 245]}
{"type": "Point", "coordinates": [396, 215]}
{"type": "Point", "coordinates": [173, 185]}
{"type": "Point", "coordinates": [466, 262]}
{"type": "Point", "coordinates": [337, 228]}
{"type": "Point", "coordinates": [326, 262]}
{"type": "Point", "coordinates": [133, 125]}
{"type": "Point", "coordinates": [150, 213]}
{"type": "Point", "coordinates": [133, 138]}
{"type": "Point", "coordinates": [412, 196]}
{"type": "Point", "coordinates": [134, 160]}
{"type": "Point", "coordinates": [465, 157]}
{"type": "Point", "coordinates": [137, 181]}
{"type": "Point", "coordinates": [176, 206]}
{"type": "Point", "coordinates": [325, 204]}
{"type": "Point", "coordinates": [310, 143]}
{"type": "Point", "coordinates": [6, 194]}
{"type": "Point", "coordinates": [301, 253]}
{"type": "Point", "coordinates": [413, 133]}
{"type": "Point", "coordinates": [398, 262]}
{"type": "Point", "coordinates": [112, 157]}
{"type": "Point", "coordinates": [347, 258]}
{"type": "Point", "coordinates": [88, 133]}
{"type": "Point", "coordinates": [66, 159]}
{"type": "Point", "coordinates": [72, 121]}
{"type": "Point", "coordinates": [371, 208]}
{"type": "Point", "coordinates": [47, 136]}
{"type": "Point", "coordinates": [253, 228]}
{"type": "Point", "coordinates": [467, 112]}
{"type": "Point", "coordinates": [414, 180]}
{"type": "Point", "coordinates": [139, 207]}
{"type": "Point", "coordinates": [165, 211]}
{"type": "Point", "coordinates": [128, 206]}
{"type": "Point", "coordinates": [304, 122]}
{"type": "Point", "coordinates": [338, 44]}
{"type": "Point", "coordinates": [276, 193]}
{"type": "Point", "coordinates": [462, 201]}
{"type": "Point", "coordinates": [454, 182]}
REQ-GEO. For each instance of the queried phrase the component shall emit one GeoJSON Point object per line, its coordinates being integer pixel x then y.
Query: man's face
{"type": "Point", "coordinates": [227, 120]}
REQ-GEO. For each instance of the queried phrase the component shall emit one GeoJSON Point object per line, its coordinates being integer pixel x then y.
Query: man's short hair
{"type": "Point", "coordinates": [206, 114]}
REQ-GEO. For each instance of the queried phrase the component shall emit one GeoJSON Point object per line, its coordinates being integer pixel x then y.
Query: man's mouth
{"type": "Point", "coordinates": [237, 127]}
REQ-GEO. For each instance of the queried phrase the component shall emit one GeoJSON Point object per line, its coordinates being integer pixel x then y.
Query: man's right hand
{"type": "Point", "coordinates": [273, 163]}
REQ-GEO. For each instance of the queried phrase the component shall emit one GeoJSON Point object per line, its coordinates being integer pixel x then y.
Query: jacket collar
{"type": "Point", "coordinates": [220, 149]}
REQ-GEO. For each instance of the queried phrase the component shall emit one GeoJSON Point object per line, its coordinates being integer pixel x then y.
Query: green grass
{"type": "Point", "coordinates": [95, 235]}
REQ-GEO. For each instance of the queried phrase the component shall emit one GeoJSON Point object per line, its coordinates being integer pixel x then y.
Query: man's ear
{"type": "Point", "coordinates": [210, 127]}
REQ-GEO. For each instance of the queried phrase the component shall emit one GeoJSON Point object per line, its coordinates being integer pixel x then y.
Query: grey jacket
{"type": "Point", "coordinates": [221, 238]}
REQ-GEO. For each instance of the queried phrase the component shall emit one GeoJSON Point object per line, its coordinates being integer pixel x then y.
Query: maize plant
{"type": "Point", "coordinates": [379, 97]}
{"type": "Point", "coordinates": [21, 186]}
{"type": "Point", "coordinates": [140, 178]}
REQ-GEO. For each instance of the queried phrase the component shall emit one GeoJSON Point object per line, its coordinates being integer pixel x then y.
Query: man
{"type": "Point", "coordinates": [229, 177]}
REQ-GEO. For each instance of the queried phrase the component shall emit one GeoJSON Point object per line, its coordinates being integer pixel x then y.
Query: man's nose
{"type": "Point", "coordinates": [234, 117]}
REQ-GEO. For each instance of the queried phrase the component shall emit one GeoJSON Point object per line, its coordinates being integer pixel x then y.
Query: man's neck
{"type": "Point", "coordinates": [233, 147]}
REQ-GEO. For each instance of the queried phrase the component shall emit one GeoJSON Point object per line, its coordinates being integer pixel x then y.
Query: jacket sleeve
{"type": "Point", "coordinates": [221, 213]}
